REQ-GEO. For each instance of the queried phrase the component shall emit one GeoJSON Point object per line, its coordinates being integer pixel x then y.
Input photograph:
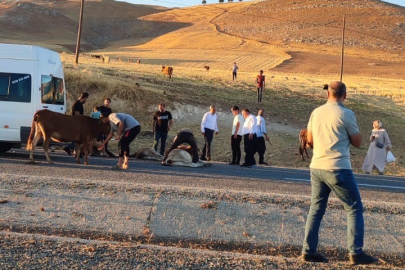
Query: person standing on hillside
{"type": "Point", "coordinates": [77, 109]}
{"type": "Point", "coordinates": [331, 130]}
{"type": "Point", "coordinates": [106, 111]}
{"type": "Point", "coordinates": [261, 136]}
{"type": "Point", "coordinates": [234, 71]}
{"type": "Point", "coordinates": [260, 82]}
{"type": "Point", "coordinates": [161, 124]}
{"type": "Point", "coordinates": [236, 136]}
{"type": "Point", "coordinates": [249, 138]}
{"type": "Point", "coordinates": [127, 128]}
{"type": "Point", "coordinates": [208, 127]}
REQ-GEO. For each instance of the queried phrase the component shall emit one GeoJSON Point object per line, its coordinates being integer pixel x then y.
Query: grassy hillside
{"type": "Point", "coordinates": [288, 102]}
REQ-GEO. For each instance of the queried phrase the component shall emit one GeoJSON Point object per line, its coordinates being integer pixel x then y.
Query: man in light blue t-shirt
{"type": "Point", "coordinates": [331, 130]}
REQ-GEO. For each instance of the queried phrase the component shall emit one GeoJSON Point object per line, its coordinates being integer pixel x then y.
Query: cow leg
{"type": "Point", "coordinates": [305, 149]}
{"type": "Point", "coordinates": [37, 136]}
{"type": "Point", "coordinates": [47, 140]}
{"type": "Point", "coordinates": [86, 147]}
{"type": "Point", "coordinates": [78, 149]}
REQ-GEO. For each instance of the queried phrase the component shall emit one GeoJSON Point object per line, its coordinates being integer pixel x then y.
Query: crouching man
{"type": "Point", "coordinates": [127, 129]}
{"type": "Point", "coordinates": [184, 136]}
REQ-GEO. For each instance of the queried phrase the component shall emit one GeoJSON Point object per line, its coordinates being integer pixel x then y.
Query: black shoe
{"type": "Point", "coordinates": [203, 158]}
{"type": "Point", "coordinates": [362, 258]}
{"type": "Point", "coordinates": [314, 258]}
{"type": "Point", "coordinates": [264, 163]}
{"type": "Point", "coordinates": [381, 173]}
{"type": "Point", "coordinates": [247, 165]}
{"type": "Point", "coordinates": [67, 150]}
{"type": "Point", "coordinates": [232, 163]}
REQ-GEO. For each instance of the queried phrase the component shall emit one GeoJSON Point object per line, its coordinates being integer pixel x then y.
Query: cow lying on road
{"type": "Point", "coordinates": [59, 127]}
{"type": "Point", "coordinates": [180, 157]}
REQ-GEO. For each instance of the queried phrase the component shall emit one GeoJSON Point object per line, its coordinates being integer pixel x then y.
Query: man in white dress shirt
{"type": "Point", "coordinates": [249, 138]}
{"type": "Point", "coordinates": [208, 127]}
{"type": "Point", "coordinates": [236, 137]}
{"type": "Point", "coordinates": [261, 136]}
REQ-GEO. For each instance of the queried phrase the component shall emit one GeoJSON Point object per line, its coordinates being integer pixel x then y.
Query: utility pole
{"type": "Point", "coordinates": [79, 32]}
{"type": "Point", "coordinates": [343, 46]}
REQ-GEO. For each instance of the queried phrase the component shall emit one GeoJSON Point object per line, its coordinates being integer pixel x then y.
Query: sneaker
{"type": "Point", "coordinates": [362, 258]}
{"type": "Point", "coordinates": [67, 150]}
{"type": "Point", "coordinates": [317, 257]}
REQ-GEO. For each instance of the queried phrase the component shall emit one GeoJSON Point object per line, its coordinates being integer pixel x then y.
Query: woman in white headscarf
{"type": "Point", "coordinates": [377, 152]}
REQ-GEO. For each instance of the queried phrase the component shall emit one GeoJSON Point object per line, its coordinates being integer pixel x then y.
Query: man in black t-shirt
{"type": "Point", "coordinates": [77, 109]}
{"type": "Point", "coordinates": [161, 124]}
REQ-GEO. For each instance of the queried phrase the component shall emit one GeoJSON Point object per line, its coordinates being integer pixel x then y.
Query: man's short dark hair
{"type": "Point", "coordinates": [235, 108]}
{"type": "Point", "coordinates": [84, 95]}
{"type": "Point", "coordinates": [246, 110]}
{"type": "Point", "coordinates": [109, 100]}
{"type": "Point", "coordinates": [337, 89]}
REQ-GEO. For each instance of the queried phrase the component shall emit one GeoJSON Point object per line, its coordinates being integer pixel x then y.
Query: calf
{"type": "Point", "coordinates": [303, 143]}
{"type": "Point", "coordinates": [59, 127]}
{"type": "Point", "coordinates": [168, 71]}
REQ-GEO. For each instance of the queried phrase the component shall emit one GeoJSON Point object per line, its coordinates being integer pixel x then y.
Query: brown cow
{"type": "Point", "coordinates": [168, 71]}
{"type": "Point", "coordinates": [303, 143]}
{"type": "Point", "coordinates": [59, 127]}
{"type": "Point", "coordinates": [207, 68]}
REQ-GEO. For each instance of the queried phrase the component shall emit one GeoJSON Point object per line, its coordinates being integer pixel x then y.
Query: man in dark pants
{"type": "Point", "coordinates": [236, 136]}
{"type": "Point", "coordinates": [161, 124]}
{"type": "Point", "coordinates": [249, 138]}
{"type": "Point", "coordinates": [106, 111]}
{"type": "Point", "coordinates": [127, 129]}
{"type": "Point", "coordinates": [208, 127]}
{"type": "Point", "coordinates": [261, 82]}
{"type": "Point", "coordinates": [77, 109]}
{"type": "Point", "coordinates": [261, 137]}
{"type": "Point", "coordinates": [184, 136]}
{"type": "Point", "coordinates": [332, 128]}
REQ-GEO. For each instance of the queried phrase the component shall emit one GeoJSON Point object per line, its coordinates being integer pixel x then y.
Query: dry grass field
{"type": "Point", "coordinates": [295, 42]}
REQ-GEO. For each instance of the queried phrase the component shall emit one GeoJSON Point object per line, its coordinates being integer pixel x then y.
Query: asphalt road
{"type": "Point", "coordinates": [217, 176]}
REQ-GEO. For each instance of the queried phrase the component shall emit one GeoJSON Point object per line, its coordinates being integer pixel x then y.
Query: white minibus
{"type": "Point", "coordinates": [31, 79]}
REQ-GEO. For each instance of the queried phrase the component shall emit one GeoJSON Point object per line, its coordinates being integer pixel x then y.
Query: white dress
{"type": "Point", "coordinates": [377, 156]}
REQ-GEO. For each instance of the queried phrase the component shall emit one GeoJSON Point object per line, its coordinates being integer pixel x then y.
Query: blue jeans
{"type": "Point", "coordinates": [343, 184]}
{"type": "Point", "coordinates": [162, 136]}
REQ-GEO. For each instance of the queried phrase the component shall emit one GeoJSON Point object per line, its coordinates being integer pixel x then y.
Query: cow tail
{"type": "Point", "coordinates": [32, 133]}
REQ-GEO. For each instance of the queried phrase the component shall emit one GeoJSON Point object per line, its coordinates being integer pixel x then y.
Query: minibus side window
{"type": "Point", "coordinates": [15, 87]}
{"type": "Point", "coordinates": [47, 89]}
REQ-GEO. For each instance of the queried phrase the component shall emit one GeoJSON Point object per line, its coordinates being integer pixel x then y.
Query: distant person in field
{"type": "Point", "coordinates": [236, 136]}
{"type": "Point", "coordinates": [261, 137]}
{"type": "Point", "coordinates": [209, 126]}
{"type": "Point", "coordinates": [77, 109]}
{"type": "Point", "coordinates": [161, 124]}
{"type": "Point", "coordinates": [332, 128]}
{"type": "Point", "coordinates": [234, 71]}
{"type": "Point", "coordinates": [127, 129]}
{"type": "Point", "coordinates": [377, 152]}
{"type": "Point", "coordinates": [260, 82]}
{"type": "Point", "coordinates": [106, 110]}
